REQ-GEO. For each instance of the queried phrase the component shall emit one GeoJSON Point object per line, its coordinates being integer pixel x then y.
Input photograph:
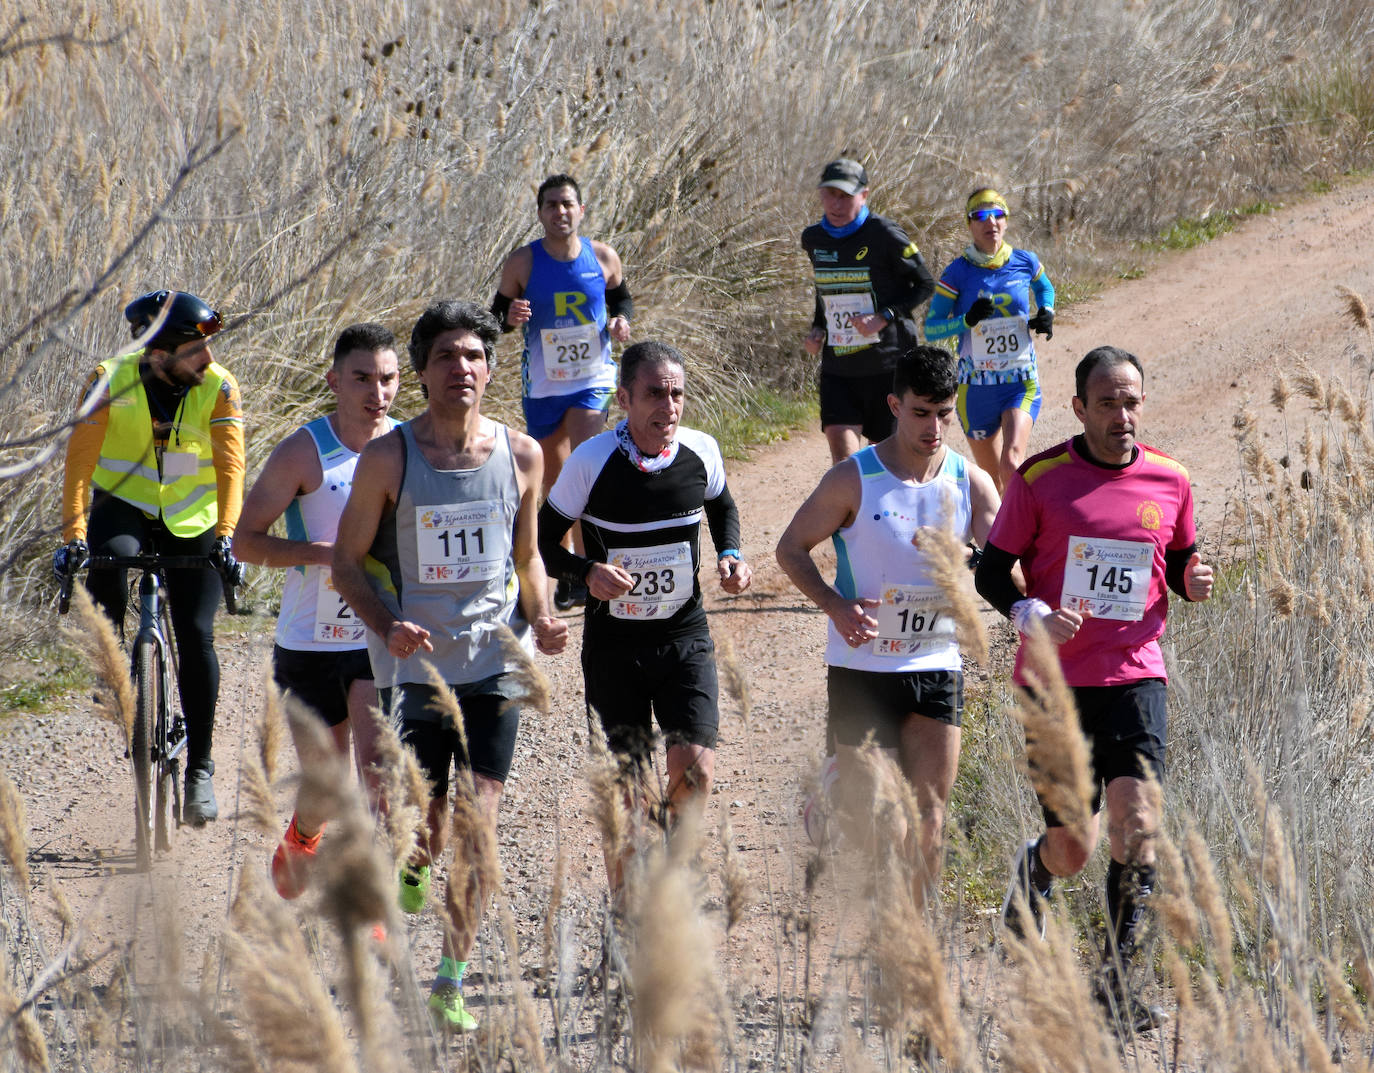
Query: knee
{"type": "Point", "coordinates": [1063, 854]}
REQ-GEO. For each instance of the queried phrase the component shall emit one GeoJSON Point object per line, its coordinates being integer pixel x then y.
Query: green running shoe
{"type": "Point", "coordinates": [446, 1007]}
{"type": "Point", "coordinates": [414, 891]}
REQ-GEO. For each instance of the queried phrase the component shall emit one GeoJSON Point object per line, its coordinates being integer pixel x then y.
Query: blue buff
{"type": "Point", "coordinates": [849, 228]}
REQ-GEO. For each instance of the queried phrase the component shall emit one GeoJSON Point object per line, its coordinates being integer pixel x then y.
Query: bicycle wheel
{"type": "Point", "coordinates": [147, 694]}
{"type": "Point", "coordinates": [170, 738]}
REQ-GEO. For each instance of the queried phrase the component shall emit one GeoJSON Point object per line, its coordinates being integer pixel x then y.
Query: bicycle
{"type": "Point", "coordinates": [158, 735]}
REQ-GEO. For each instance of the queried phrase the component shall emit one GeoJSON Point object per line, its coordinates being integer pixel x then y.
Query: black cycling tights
{"type": "Point", "coordinates": [117, 528]}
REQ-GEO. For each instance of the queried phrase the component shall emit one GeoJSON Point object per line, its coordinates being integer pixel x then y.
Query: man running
{"type": "Point", "coordinates": [320, 655]}
{"type": "Point", "coordinates": [436, 552]}
{"type": "Point", "coordinates": [163, 446]}
{"type": "Point", "coordinates": [869, 277]}
{"type": "Point", "coordinates": [1101, 524]}
{"type": "Point", "coordinates": [569, 295]}
{"type": "Point", "coordinates": [640, 491]}
{"type": "Point", "coordinates": [893, 666]}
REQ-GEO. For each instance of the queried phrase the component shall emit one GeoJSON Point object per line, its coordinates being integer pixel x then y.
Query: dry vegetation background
{"type": "Point", "coordinates": [308, 165]}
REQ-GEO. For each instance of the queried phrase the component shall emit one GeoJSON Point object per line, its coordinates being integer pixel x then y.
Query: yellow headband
{"type": "Point", "coordinates": [986, 197]}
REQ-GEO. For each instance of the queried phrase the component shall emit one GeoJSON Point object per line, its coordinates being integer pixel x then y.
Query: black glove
{"type": "Point", "coordinates": [222, 555]}
{"type": "Point", "coordinates": [981, 309]}
{"type": "Point", "coordinates": [69, 558]}
{"type": "Point", "coordinates": [1043, 322]}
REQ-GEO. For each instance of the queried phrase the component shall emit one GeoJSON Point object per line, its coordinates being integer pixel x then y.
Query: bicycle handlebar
{"type": "Point", "coordinates": [158, 564]}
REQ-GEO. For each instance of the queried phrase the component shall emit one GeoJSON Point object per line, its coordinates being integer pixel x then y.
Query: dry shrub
{"type": "Point", "coordinates": [14, 845]}
{"type": "Point", "coordinates": [948, 561]}
{"type": "Point", "coordinates": [91, 632]}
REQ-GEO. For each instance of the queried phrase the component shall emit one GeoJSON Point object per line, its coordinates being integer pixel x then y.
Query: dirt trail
{"type": "Point", "coordinates": [1210, 326]}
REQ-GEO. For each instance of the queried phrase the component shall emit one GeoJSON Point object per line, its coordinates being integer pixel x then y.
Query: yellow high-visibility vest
{"type": "Point", "coordinates": [176, 482]}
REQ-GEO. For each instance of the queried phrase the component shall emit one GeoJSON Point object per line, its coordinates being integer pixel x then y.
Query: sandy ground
{"type": "Point", "coordinates": [1211, 325]}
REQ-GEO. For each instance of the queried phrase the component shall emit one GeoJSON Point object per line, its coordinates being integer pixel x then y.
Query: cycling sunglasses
{"type": "Point", "coordinates": [987, 214]}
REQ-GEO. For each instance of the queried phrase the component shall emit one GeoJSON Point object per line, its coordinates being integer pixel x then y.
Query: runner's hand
{"type": "Point", "coordinates": [852, 620]}
{"type": "Point", "coordinates": [618, 328]}
{"type": "Point", "coordinates": [518, 313]}
{"type": "Point", "coordinates": [404, 639]}
{"type": "Point", "coordinates": [1197, 579]}
{"type": "Point", "coordinates": [69, 558]}
{"type": "Point", "coordinates": [1043, 322]}
{"type": "Point", "coordinates": [606, 582]}
{"type": "Point", "coordinates": [981, 309]}
{"type": "Point", "coordinates": [735, 574]}
{"type": "Point", "coordinates": [550, 634]}
{"type": "Point", "coordinates": [814, 342]}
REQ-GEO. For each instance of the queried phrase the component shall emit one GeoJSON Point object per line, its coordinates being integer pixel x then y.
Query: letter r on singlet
{"type": "Point", "coordinates": [1002, 302]}
{"type": "Point", "coordinates": [569, 304]}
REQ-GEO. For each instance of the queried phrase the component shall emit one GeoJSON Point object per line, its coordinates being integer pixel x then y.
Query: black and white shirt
{"type": "Point", "coordinates": [649, 523]}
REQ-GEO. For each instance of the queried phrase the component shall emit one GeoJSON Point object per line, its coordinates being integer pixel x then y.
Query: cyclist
{"type": "Point", "coordinates": [320, 654]}
{"type": "Point", "coordinates": [894, 670]}
{"type": "Point", "coordinates": [641, 491]}
{"type": "Point", "coordinates": [983, 297]}
{"type": "Point", "coordinates": [569, 295]}
{"type": "Point", "coordinates": [436, 551]}
{"type": "Point", "coordinates": [869, 277]}
{"type": "Point", "coordinates": [163, 447]}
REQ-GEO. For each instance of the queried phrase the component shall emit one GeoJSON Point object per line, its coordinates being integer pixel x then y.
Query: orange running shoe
{"type": "Point", "coordinates": [290, 871]}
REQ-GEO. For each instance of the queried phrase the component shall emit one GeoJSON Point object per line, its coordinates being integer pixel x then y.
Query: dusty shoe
{"type": "Point", "coordinates": [291, 862]}
{"type": "Point", "coordinates": [200, 806]}
{"type": "Point", "coordinates": [1125, 1011]}
{"type": "Point", "coordinates": [1021, 891]}
{"type": "Point", "coordinates": [414, 888]}
{"type": "Point", "coordinates": [446, 1007]}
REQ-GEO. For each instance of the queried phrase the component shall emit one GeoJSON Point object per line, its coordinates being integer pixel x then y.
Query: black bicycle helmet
{"type": "Point", "coordinates": [188, 318]}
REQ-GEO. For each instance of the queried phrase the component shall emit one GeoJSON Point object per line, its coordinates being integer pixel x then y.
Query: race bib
{"type": "Point", "coordinates": [662, 580]}
{"type": "Point", "coordinates": [912, 622]}
{"type": "Point", "coordinates": [460, 542]}
{"type": "Point", "coordinates": [571, 353]}
{"type": "Point", "coordinates": [177, 464]}
{"type": "Point", "coordinates": [840, 313]}
{"type": "Point", "coordinates": [335, 622]}
{"type": "Point", "coordinates": [1001, 344]}
{"type": "Point", "coordinates": [1108, 578]}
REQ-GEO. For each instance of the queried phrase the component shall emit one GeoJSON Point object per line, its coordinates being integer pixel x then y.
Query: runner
{"type": "Point", "coordinates": [320, 655]}
{"type": "Point", "coordinates": [1100, 524]}
{"type": "Point", "coordinates": [893, 666]}
{"type": "Point", "coordinates": [436, 543]}
{"type": "Point", "coordinates": [983, 297]}
{"type": "Point", "coordinates": [641, 490]}
{"type": "Point", "coordinates": [163, 447]}
{"type": "Point", "coordinates": [570, 297]}
{"type": "Point", "coordinates": [869, 277]}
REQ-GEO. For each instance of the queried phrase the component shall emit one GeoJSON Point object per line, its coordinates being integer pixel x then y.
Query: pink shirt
{"type": "Point", "coordinates": [1057, 500]}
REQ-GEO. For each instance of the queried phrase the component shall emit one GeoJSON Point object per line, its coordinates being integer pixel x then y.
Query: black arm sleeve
{"type": "Point", "coordinates": [993, 579]}
{"type": "Point", "coordinates": [911, 282]}
{"type": "Point", "coordinates": [500, 305]}
{"type": "Point", "coordinates": [1175, 563]}
{"type": "Point", "coordinates": [722, 516]}
{"type": "Point", "coordinates": [558, 560]}
{"type": "Point", "coordinates": [619, 303]}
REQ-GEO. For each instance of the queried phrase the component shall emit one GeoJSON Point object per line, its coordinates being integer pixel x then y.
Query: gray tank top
{"type": "Point", "coordinates": [443, 561]}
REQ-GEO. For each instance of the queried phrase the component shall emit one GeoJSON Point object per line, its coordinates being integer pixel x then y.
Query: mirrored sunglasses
{"type": "Point", "coordinates": [987, 214]}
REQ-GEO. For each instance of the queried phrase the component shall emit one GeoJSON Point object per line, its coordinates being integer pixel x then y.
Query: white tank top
{"type": "Point", "coordinates": [875, 559]}
{"type": "Point", "coordinates": [313, 618]}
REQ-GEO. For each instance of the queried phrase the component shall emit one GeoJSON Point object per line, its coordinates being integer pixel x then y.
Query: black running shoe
{"type": "Point", "coordinates": [1125, 1011]}
{"type": "Point", "coordinates": [562, 595]}
{"type": "Point", "coordinates": [1021, 891]}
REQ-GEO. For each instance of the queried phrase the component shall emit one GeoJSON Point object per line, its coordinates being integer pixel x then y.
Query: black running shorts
{"type": "Point", "coordinates": [490, 722]}
{"type": "Point", "coordinates": [321, 680]}
{"type": "Point", "coordinates": [879, 702]}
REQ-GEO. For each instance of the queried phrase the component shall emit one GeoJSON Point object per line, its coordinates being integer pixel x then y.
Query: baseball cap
{"type": "Point", "coordinates": [845, 174]}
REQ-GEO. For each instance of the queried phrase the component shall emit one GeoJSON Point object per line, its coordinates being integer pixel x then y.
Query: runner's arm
{"type": "Point", "coordinates": [993, 579]}
{"type": "Point", "coordinates": [286, 474]}
{"type": "Point", "coordinates": [375, 485]}
{"type": "Point", "coordinates": [83, 455]}
{"type": "Point", "coordinates": [722, 518]}
{"type": "Point", "coordinates": [510, 308]}
{"type": "Point", "coordinates": [829, 508]}
{"type": "Point", "coordinates": [1175, 566]}
{"type": "Point", "coordinates": [227, 449]}
{"type": "Point", "coordinates": [910, 282]}
{"type": "Point", "coordinates": [558, 560]}
{"type": "Point", "coordinates": [550, 634]}
{"type": "Point", "coordinates": [942, 322]}
{"type": "Point", "coordinates": [984, 501]}
{"type": "Point", "coordinates": [1043, 290]}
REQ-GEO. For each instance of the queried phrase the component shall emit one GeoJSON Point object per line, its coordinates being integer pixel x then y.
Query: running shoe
{"type": "Point", "coordinates": [446, 1007]}
{"type": "Point", "coordinates": [291, 862]}
{"type": "Point", "coordinates": [562, 595]}
{"type": "Point", "coordinates": [1020, 891]}
{"type": "Point", "coordinates": [414, 891]}
{"type": "Point", "coordinates": [1125, 1011]}
{"type": "Point", "coordinates": [577, 594]}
